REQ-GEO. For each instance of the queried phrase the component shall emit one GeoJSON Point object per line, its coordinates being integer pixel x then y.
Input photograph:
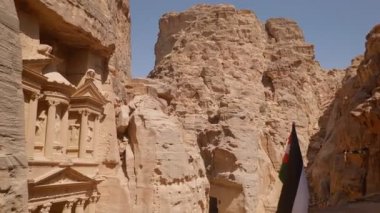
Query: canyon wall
{"type": "Point", "coordinates": [236, 84]}
{"type": "Point", "coordinates": [346, 167]}
{"type": "Point", "coordinates": [206, 130]}
{"type": "Point", "coordinates": [13, 164]}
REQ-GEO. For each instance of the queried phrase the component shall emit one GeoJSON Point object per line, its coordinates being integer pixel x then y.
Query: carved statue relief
{"type": "Point", "coordinates": [57, 127]}
{"type": "Point", "coordinates": [45, 50]}
{"type": "Point", "coordinates": [90, 132]}
{"type": "Point", "coordinates": [41, 127]}
{"type": "Point", "coordinates": [73, 135]}
{"type": "Point", "coordinates": [89, 143]}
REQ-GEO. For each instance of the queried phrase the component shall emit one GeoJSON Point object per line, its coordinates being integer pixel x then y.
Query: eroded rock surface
{"type": "Point", "coordinates": [207, 129]}
{"type": "Point", "coordinates": [237, 84]}
{"type": "Point", "coordinates": [166, 173]}
{"type": "Point", "coordinates": [346, 167]}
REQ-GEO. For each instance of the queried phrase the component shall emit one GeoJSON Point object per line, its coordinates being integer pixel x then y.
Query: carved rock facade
{"type": "Point", "coordinates": [68, 52]}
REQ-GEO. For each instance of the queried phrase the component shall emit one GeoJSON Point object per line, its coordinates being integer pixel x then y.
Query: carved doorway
{"type": "Point", "coordinates": [213, 205]}
{"type": "Point", "coordinates": [57, 207]}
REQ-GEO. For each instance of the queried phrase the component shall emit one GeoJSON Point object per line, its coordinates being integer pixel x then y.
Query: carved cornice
{"type": "Point", "coordinates": [32, 80]}
{"type": "Point", "coordinates": [62, 88]}
{"type": "Point", "coordinates": [37, 65]}
{"type": "Point", "coordinates": [55, 98]}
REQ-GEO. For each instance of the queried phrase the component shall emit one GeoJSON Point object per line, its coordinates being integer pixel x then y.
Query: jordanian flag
{"type": "Point", "coordinates": [294, 196]}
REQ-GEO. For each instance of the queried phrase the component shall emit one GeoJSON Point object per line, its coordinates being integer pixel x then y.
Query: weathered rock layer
{"type": "Point", "coordinates": [205, 130]}
{"type": "Point", "coordinates": [236, 86]}
{"type": "Point", "coordinates": [13, 164]}
{"type": "Point", "coordinates": [346, 167]}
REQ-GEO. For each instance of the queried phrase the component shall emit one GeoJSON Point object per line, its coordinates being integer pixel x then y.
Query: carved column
{"type": "Point", "coordinates": [64, 130]}
{"type": "Point", "coordinates": [50, 128]}
{"type": "Point", "coordinates": [91, 205]}
{"type": "Point", "coordinates": [68, 206]}
{"type": "Point", "coordinates": [45, 208]}
{"type": "Point", "coordinates": [79, 208]}
{"type": "Point", "coordinates": [96, 135]}
{"type": "Point", "coordinates": [31, 124]}
{"type": "Point", "coordinates": [83, 134]}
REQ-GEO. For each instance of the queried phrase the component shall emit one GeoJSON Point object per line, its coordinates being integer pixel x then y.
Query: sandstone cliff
{"type": "Point", "coordinates": [346, 167]}
{"type": "Point", "coordinates": [207, 128]}
{"type": "Point", "coordinates": [236, 84]}
{"type": "Point", "coordinates": [166, 173]}
{"type": "Point", "coordinates": [13, 164]}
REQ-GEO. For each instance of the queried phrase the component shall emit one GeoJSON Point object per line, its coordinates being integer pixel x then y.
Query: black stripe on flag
{"type": "Point", "coordinates": [293, 174]}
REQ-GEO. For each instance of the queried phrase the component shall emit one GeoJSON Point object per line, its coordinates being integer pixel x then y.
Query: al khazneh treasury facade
{"type": "Point", "coordinates": [67, 130]}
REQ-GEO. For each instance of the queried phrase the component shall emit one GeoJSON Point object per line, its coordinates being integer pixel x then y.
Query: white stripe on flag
{"type": "Point", "coordinates": [301, 203]}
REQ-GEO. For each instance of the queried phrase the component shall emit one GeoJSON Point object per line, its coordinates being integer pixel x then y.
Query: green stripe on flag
{"type": "Point", "coordinates": [283, 171]}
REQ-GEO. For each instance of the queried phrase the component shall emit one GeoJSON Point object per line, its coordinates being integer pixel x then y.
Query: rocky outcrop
{"type": "Point", "coordinates": [346, 167]}
{"type": "Point", "coordinates": [165, 173]}
{"type": "Point", "coordinates": [13, 164]}
{"type": "Point", "coordinates": [236, 85]}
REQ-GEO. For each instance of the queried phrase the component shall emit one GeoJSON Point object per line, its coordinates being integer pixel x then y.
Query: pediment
{"type": "Point", "coordinates": [61, 176]}
{"type": "Point", "coordinates": [89, 91]}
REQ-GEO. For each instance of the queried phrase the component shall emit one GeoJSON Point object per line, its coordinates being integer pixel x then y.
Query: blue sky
{"type": "Point", "coordinates": [337, 28]}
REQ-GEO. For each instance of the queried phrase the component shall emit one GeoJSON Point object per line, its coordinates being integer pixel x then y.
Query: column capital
{"type": "Point", "coordinates": [53, 102]}
{"type": "Point", "coordinates": [84, 112]}
{"type": "Point", "coordinates": [80, 201]}
{"type": "Point", "coordinates": [69, 203]}
{"type": "Point", "coordinates": [68, 206]}
{"type": "Point", "coordinates": [45, 208]}
{"type": "Point", "coordinates": [47, 205]}
{"type": "Point", "coordinates": [32, 208]}
{"type": "Point", "coordinates": [36, 96]}
{"type": "Point", "coordinates": [94, 199]}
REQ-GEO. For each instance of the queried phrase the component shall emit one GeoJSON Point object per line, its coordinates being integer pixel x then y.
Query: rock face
{"type": "Point", "coordinates": [206, 130]}
{"type": "Point", "coordinates": [165, 173]}
{"type": "Point", "coordinates": [61, 65]}
{"type": "Point", "coordinates": [236, 85]}
{"type": "Point", "coordinates": [13, 164]}
{"type": "Point", "coordinates": [346, 167]}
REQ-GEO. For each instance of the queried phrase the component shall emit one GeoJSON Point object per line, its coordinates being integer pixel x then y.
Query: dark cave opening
{"type": "Point", "coordinates": [213, 205]}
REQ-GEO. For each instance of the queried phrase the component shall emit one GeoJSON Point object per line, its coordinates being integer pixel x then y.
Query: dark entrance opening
{"type": "Point", "coordinates": [57, 207]}
{"type": "Point", "coordinates": [213, 205]}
